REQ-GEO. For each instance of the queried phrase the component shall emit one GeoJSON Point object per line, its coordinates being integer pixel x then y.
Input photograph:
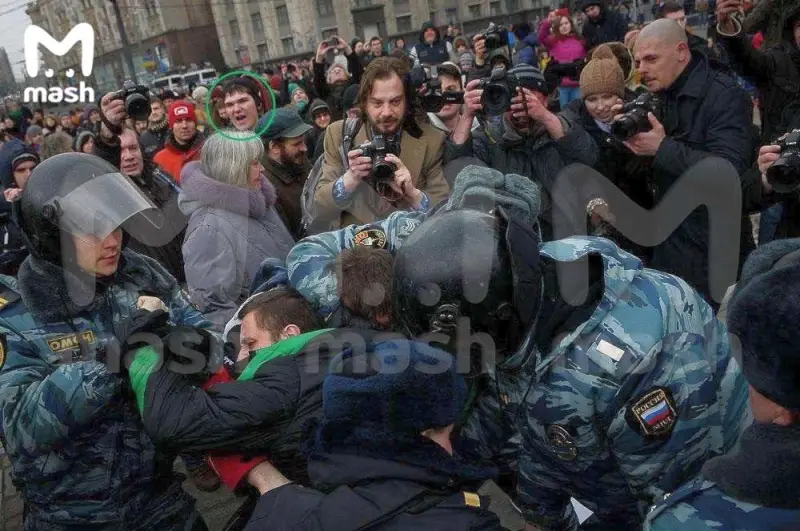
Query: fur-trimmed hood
{"type": "Point", "coordinates": [200, 190]}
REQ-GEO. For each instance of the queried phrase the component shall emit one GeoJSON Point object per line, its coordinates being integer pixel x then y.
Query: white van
{"type": "Point", "coordinates": [199, 77]}
{"type": "Point", "coordinates": [169, 82]}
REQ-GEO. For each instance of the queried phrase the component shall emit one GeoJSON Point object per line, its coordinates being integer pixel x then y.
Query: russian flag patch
{"type": "Point", "coordinates": [654, 413]}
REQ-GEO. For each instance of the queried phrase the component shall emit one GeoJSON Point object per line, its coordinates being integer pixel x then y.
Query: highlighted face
{"type": "Point", "coordinates": [98, 257]}
{"type": "Point", "coordinates": [386, 105]}
{"type": "Point", "coordinates": [599, 106]}
{"type": "Point", "coordinates": [660, 64]}
{"type": "Point", "coordinates": [242, 110]}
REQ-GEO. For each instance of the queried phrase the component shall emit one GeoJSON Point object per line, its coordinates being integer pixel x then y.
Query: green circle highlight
{"type": "Point", "coordinates": [239, 73]}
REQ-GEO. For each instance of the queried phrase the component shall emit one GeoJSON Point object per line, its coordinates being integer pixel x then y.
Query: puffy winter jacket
{"type": "Point", "coordinates": [564, 50]}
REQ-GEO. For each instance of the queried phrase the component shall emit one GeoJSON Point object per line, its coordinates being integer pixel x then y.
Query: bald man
{"type": "Point", "coordinates": [704, 113]}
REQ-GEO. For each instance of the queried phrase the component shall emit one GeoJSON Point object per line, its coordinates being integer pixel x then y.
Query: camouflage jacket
{"type": "Point", "coordinates": [70, 426]}
{"type": "Point", "coordinates": [701, 505]}
{"type": "Point", "coordinates": [625, 406]}
{"type": "Point", "coordinates": [755, 487]}
{"type": "Point", "coordinates": [311, 263]}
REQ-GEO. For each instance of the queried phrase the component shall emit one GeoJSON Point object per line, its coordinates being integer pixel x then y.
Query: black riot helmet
{"type": "Point", "coordinates": [457, 275]}
{"type": "Point", "coordinates": [81, 195]}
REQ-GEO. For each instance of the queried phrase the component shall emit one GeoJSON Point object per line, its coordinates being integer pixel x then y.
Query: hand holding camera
{"type": "Point", "coordinates": [479, 45]}
{"type": "Point", "coordinates": [114, 110]}
{"type": "Point", "coordinates": [402, 184]}
{"type": "Point", "coordinates": [360, 167]}
{"type": "Point", "coordinates": [780, 164]}
{"type": "Point", "coordinates": [473, 98]}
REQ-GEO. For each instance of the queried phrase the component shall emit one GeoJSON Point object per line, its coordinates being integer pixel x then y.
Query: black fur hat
{"type": "Point", "coordinates": [764, 317]}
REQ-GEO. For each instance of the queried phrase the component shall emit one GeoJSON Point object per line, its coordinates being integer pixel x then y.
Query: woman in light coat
{"type": "Point", "coordinates": [233, 225]}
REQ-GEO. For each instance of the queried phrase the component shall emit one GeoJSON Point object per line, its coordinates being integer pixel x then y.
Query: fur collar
{"type": "Point", "coordinates": [199, 190]}
{"type": "Point", "coordinates": [764, 469]}
{"type": "Point", "coordinates": [52, 293]}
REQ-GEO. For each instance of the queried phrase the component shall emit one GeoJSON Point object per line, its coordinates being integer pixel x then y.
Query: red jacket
{"type": "Point", "coordinates": [172, 159]}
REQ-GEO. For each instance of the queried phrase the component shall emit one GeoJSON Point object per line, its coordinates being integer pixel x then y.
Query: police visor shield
{"type": "Point", "coordinates": [100, 206]}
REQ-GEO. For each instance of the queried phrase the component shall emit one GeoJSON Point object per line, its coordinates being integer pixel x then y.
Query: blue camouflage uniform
{"type": "Point", "coordinates": [80, 455]}
{"type": "Point", "coordinates": [624, 407]}
{"type": "Point", "coordinates": [701, 505]}
{"type": "Point", "coordinates": [311, 262]}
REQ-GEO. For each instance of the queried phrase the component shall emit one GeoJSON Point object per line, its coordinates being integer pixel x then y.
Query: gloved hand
{"type": "Point", "coordinates": [191, 351]}
{"type": "Point", "coordinates": [141, 322]}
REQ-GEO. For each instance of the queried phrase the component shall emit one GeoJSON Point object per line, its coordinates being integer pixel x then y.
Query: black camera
{"type": "Point", "coordinates": [434, 98]}
{"type": "Point", "coordinates": [333, 41]}
{"type": "Point", "coordinates": [137, 100]}
{"type": "Point", "coordinates": [498, 90]}
{"type": "Point", "coordinates": [634, 116]}
{"type": "Point", "coordinates": [784, 174]}
{"type": "Point", "coordinates": [377, 149]}
{"type": "Point", "coordinates": [495, 36]}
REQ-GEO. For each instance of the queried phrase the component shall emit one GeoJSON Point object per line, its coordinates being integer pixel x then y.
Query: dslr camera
{"type": "Point", "coordinates": [382, 172]}
{"type": "Point", "coordinates": [784, 174]}
{"type": "Point", "coordinates": [434, 98]}
{"type": "Point", "coordinates": [136, 98]}
{"type": "Point", "coordinates": [498, 90]}
{"type": "Point", "coordinates": [634, 116]}
{"type": "Point", "coordinates": [495, 36]}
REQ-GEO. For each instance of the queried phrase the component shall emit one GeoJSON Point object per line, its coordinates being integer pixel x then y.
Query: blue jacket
{"type": "Point", "coordinates": [77, 446]}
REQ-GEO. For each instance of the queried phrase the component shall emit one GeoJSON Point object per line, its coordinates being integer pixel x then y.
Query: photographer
{"type": "Point", "coordinates": [527, 139]}
{"type": "Point", "coordinates": [432, 49]}
{"type": "Point", "coordinates": [705, 114]}
{"type": "Point", "coordinates": [121, 148]}
{"type": "Point", "coordinates": [350, 192]}
{"type": "Point", "coordinates": [491, 51]}
{"type": "Point", "coordinates": [447, 118]}
{"type": "Point", "coordinates": [331, 85]}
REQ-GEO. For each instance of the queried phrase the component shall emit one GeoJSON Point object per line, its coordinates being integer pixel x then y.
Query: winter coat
{"type": "Point", "coordinates": [174, 157]}
{"type": "Point", "coordinates": [162, 244]}
{"type": "Point", "coordinates": [364, 475]}
{"type": "Point", "coordinates": [535, 155]}
{"type": "Point", "coordinates": [776, 73]}
{"type": "Point", "coordinates": [609, 27]}
{"type": "Point", "coordinates": [564, 50]}
{"type": "Point", "coordinates": [152, 141]}
{"type": "Point", "coordinates": [754, 488]}
{"type": "Point", "coordinates": [436, 53]}
{"type": "Point", "coordinates": [262, 412]}
{"type": "Point", "coordinates": [609, 389]}
{"type": "Point", "coordinates": [79, 454]}
{"type": "Point", "coordinates": [332, 94]}
{"type": "Point", "coordinates": [527, 55]}
{"type": "Point", "coordinates": [288, 183]}
{"type": "Point", "coordinates": [705, 114]}
{"type": "Point", "coordinates": [231, 231]}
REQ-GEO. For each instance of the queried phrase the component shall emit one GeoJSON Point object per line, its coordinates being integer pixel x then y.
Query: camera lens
{"type": "Point", "coordinates": [383, 171]}
{"type": "Point", "coordinates": [137, 106]}
{"type": "Point", "coordinates": [784, 174]}
{"type": "Point", "coordinates": [432, 102]}
{"type": "Point", "coordinates": [496, 98]}
{"type": "Point", "coordinates": [624, 128]}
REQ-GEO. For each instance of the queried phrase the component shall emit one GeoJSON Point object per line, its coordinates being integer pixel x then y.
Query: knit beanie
{"type": "Point", "coordinates": [33, 130]}
{"type": "Point", "coordinates": [764, 319]}
{"type": "Point", "coordinates": [602, 75]}
{"type": "Point", "coordinates": [530, 77]}
{"type": "Point", "coordinates": [394, 387]}
{"type": "Point", "coordinates": [622, 54]}
{"type": "Point", "coordinates": [81, 139]}
{"type": "Point", "coordinates": [292, 88]}
{"type": "Point", "coordinates": [200, 94]}
{"type": "Point", "coordinates": [181, 110]}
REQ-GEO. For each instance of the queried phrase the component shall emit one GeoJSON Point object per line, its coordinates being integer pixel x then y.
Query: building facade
{"type": "Point", "coordinates": [7, 82]}
{"type": "Point", "coordinates": [163, 35]}
{"type": "Point", "coordinates": [255, 32]}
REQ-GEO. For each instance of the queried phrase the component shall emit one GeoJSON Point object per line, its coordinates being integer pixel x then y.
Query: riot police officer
{"type": "Point", "coordinates": [70, 426]}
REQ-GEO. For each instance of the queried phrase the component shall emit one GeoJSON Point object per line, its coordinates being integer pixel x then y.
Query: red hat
{"type": "Point", "coordinates": [180, 110]}
{"type": "Point", "coordinates": [563, 12]}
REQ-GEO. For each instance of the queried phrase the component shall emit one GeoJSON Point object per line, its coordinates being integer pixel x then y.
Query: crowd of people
{"type": "Point", "coordinates": [366, 284]}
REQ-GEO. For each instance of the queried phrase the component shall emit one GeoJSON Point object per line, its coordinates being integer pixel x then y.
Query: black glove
{"type": "Point", "coordinates": [141, 322]}
{"type": "Point", "coordinates": [192, 351]}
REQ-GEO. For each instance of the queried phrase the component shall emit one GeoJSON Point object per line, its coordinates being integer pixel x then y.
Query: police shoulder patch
{"type": "Point", "coordinates": [370, 238]}
{"type": "Point", "coordinates": [472, 499]}
{"type": "Point", "coordinates": [7, 297]}
{"type": "Point", "coordinates": [653, 414]}
{"type": "Point", "coordinates": [562, 443]}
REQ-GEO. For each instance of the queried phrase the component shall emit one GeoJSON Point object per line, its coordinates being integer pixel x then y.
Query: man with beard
{"type": "Point", "coordinates": [286, 163]}
{"type": "Point", "coordinates": [245, 100]}
{"type": "Point", "coordinates": [432, 49]}
{"type": "Point", "coordinates": [184, 141]}
{"type": "Point", "coordinates": [121, 148]}
{"type": "Point", "coordinates": [330, 85]}
{"type": "Point", "coordinates": [349, 191]}
{"type": "Point", "coordinates": [153, 139]}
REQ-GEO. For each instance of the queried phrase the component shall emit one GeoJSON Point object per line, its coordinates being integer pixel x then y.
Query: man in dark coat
{"type": "Point", "coordinates": [776, 70]}
{"type": "Point", "coordinates": [602, 24]}
{"type": "Point", "coordinates": [704, 113]}
{"type": "Point", "coordinates": [432, 49]}
{"type": "Point", "coordinates": [331, 84]}
{"type": "Point", "coordinates": [17, 160]}
{"type": "Point", "coordinates": [381, 456]}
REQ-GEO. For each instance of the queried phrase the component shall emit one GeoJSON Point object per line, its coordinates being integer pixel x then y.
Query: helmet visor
{"type": "Point", "coordinates": [100, 206]}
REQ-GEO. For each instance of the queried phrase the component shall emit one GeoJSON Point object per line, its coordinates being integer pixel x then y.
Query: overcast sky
{"type": "Point", "coordinates": [12, 28]}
